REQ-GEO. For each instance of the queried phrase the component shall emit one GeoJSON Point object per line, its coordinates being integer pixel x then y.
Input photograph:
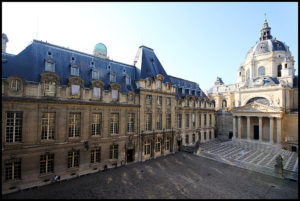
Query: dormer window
{"type": "Point", "coordinates": [128, 80]}
{"type": "Point", "coordinates": [112, 77]}
{"type": "Point", "coordinates": [97, 92]}
{"type": "Point", "coordinates": [159, 84]}
{"type": "Point", "coordinates": [15, 85]}
{"type": "Point", "coordinates": [168, 86]}
{"type": "Point", "coordinates": [49, 88]}
{"type": "Point", "coordinates": [148, 82]}
{"type": "Point", "coordinates": [115, 94]}
{"type": "Point", "coordinates": [74, 70]}
{"type": "Point", "coordinates": [49, 66]}
{"type": "Point", "coordinates": [75, 90]}
{"type": "Point", "coordinates": [95, 74]}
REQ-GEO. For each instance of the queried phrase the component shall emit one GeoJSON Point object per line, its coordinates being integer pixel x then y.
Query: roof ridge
{"type": "Point", "coordinates": [77, 51]}
{"type": "Point", "coordinates": [183, 79]}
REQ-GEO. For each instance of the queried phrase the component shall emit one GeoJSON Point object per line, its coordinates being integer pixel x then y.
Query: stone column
{"type": "Point", "coordinates": [278, 130]}
{"type": "Point", "coordinates": [233, 129]}
{"type": "Point", "coordinates": [239, 127]}
{"type": "Point", "coordinates": [248, 128]}
{"type": "Point", "coordinates": [260, 129]}
{"type": "Point", "coordinates": [271, 129]}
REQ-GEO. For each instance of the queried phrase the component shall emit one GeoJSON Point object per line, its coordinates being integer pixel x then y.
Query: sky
{"type": "Point", "coordinates": [196, 41]}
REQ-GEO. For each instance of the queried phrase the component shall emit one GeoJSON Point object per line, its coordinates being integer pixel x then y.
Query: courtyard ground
{"type": "Point", "coordinates": [180, 175]}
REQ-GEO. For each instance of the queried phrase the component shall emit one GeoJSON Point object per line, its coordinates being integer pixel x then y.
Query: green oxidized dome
{"type": "Point", "coordinates": [100, 47]}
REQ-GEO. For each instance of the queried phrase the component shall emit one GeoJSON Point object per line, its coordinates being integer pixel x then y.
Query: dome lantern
{"type": "Point", "coordinates": [100, 50]}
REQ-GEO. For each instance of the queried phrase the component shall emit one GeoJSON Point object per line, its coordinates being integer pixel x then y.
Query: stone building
{"type": "Point", "coordinates": [67, 113]}
{"type": "Point", "coordinates": [263, 105]}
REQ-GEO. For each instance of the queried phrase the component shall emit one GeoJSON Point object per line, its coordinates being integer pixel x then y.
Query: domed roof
{"type": "Point", "coordinates": [4, 36]}
{"type": "Point", "coordinates": [100, 47]}
{"type": "Point", "coordinates": [265, 46]}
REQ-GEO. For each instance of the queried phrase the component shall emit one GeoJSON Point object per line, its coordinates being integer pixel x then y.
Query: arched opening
{"type": "Point", "coordinates": [224, 104]}
{"type": "Point", "coordinates": [279, 68]}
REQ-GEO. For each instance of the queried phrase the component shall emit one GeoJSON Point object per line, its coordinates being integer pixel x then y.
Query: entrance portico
{"type": "Point", "coordinates": [259, 122]}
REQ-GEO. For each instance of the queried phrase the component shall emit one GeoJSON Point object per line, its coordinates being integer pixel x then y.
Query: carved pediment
{"type": "Point", "coordinates": [255, 108]}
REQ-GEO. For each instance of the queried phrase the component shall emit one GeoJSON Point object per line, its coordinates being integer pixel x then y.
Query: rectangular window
{"type": "Point", "coordinates": [187, 120]}
{"type": "Point", "coordinates": [168, 101]}
{"type": "Point", "coordinates": [113, 153]}
{"type": "Point", "coordinates": [159, 84]}
{"type": "Point", "coordinates": [179, 119]}
{"type": "Point", "coordinates": [148, 99]}
{"type": "Point", "coordinates": [48, 126]}
{"type": "Point", "coordinates": [74, 125]}
{"type": "Point", "coordinates": [14, 126]}
{"type": "Point", "coordinates": [97, 92]}
{"type": "Point", "coordinates": [187, 139]}
{"type": "Point", "coordinates": [75, 71]}
{"type": "Point", "coordinates": [199, 121]}
{"type": "Point", "coordinates": [130, 126]}
{"type": "Point", "coordinates": [168, 120]}
{"type": "Point", "coordinates": [96, 155]}
{"type": "Point", "coordinates": [49, 89]}
{"type": "Point", "coordinates": [148, 122]}
{"type": "Point", "coordinates": [194, 138]}
{"type": "Point", "coordinates": [113, 77]}
{"type": "Point", "coordinates": [95, 75]}
{"type": "Point", "coordinates": [193, 121]}
{"type": "Point", "coordinates": [46, 163]}
{"type": "Point", "coordinates": [159, 121]}
{"type": "Point", "coordinates": [204, 119]}
{"type": "Point", "coordinates": [158, 145]}
{"type": "Point", "coordinates": [167, 147]}
{"type": "Point", "coordinates": [115, 94]}
{"type": "Point", "coordinates": [114, 123]}
{"type": "Point", "coordinates": [159, 100]}
{"type": "Point", "coordinates": [147, 147]}
{"type": "Point", "coordinates": [96, 124]}
{"type": "Point", "coordinates": [204, 135]}
{"type": "Point", "coordinates": [50, 67]}
{"type": "Point", "coordinates": [127, 80]}
{"type": "Point", "coordinates": [73, 158]}
{"type": "Point", "coordinates": [210, 119]}
{"type": "Point", "coordinates": [75, 90]}
{"type": "Point", "coordinates": [13, 170]}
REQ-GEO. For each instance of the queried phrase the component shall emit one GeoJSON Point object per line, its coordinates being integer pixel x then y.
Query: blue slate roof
{"type": "Point", "coordinates": [30, 63]}
{"type": "Point", "coordinates": [151, 66]}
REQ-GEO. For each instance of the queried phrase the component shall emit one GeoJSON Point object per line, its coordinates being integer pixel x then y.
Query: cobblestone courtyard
{"type": "Point", "coordinates": [180, 175]}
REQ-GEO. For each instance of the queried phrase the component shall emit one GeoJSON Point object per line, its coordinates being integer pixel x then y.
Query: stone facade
{"type": "Point", "coordinates": [66, 113]}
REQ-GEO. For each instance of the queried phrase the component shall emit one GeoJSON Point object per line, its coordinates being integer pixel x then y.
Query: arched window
{"type": "Point", "coordinates": [224, 104]}
{"type": "Point", "coordinates": [261, 71]}
{"type": "Point", "coordinates": [279, 68]}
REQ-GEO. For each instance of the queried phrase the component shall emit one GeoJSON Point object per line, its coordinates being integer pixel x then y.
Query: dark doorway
{"type": "Point", "coordinates": [179, 144]}
{"type": "Point", "coordinates": [130, 155]}
{"type": "Point", "coordinates": [256, 133]}
{"type": "Point", "coordinates": [230, 135]}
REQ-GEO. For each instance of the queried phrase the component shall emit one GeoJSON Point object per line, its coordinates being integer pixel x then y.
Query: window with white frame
{"type": "Point", "coordinates": [48, 126]}
{"type": "Point", "coordinates": [147, 147]}
{"type": "Point", "coordinates": [168, 99]}
{"type": "Point", "coordinates": [130, 126]}
{"type": "Point", "coordinates": [148, 121]}
{"type": "Point", "coordinates": [49, 88]}
{"type": "Point", "coordinates": [73, 158]}
{"type": "Point", "coordinates": [75, 90]}
{"type": "Point", "coordinates": [46, 163]}
{"type": "Point", "coordinates": [114, 123]}
{"type": "Point", "coordinates": [96, 155]}
{"type": "Point", "coordinates": [113, 152]}
{"type": "Point", "coordinates": [193, 120]}
{"type": "Point", "coordinates": [158, 145]}
{"type": "Point", "coordinates": [74, 70]}
{"type": "Point", "coordinates": [15, 85]}
{"type": "Point", "coordinates": [112, 77]}
{"type": "Point", "coordinates": [13, 129]}
{"type": "Point", "coordinates": [159, 84]}
{"type": "Point", "coordinates": [96, 124]}
{"type": "Point", "coordinates": [115, 94]}
{"type": "Point", "coordinates": [97, 92]}
{"type": "Point", "coordinates": [95, 74]}
{"type": "Point", "coordinates": [128, 80]}
{"type": "Point", "coordinates": [49, 66]}
{"type": "Point", "coordinates": [13, 170]}
{"type": "Point", "coordinates": [168, 121]}
{"type": "Point", "coordinates": [159, 121]}
{"type": "Point", "coordinates": [148, 82]}
{"type": "Point", "coordinates": [74, 125]}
